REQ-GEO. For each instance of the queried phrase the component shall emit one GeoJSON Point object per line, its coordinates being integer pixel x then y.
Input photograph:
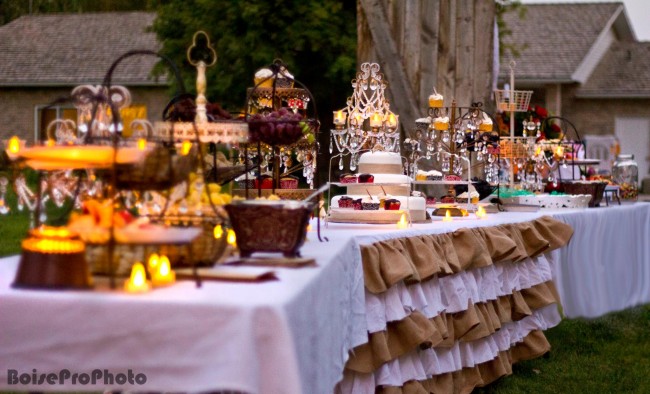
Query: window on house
{"type": "Point", "coordinates": [44, 115]}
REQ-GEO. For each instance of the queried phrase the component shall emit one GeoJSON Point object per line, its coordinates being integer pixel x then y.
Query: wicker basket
{"type": "Point", "coordinates": [594, 189]}
{"type": "Point", "coordinates": [160, 170]}
{"type": "Point", "coordinates": [513, 149]}
{"type": "Point", "coordinates": [519, 104]}
{"type": "Point", "coordinates": [205, 250]}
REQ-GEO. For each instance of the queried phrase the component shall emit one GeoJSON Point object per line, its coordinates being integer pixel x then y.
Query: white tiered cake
{"type": "Point", "coordinates": [389, 184]}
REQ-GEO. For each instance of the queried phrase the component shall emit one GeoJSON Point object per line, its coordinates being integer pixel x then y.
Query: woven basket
{"type": "Point", "coordinates": [512, 150]}
{"type": "Point", "coordinates": [160, 170]}
{"type": "Point", "coordinates": [205, 250]}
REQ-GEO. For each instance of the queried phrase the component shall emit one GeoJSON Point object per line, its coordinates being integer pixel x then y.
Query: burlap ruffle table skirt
{"type": "Point", "coordinates": [449, 312]}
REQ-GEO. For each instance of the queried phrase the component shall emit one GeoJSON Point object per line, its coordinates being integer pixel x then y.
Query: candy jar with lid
{"type": "Point", "coordinates": [625, 173]}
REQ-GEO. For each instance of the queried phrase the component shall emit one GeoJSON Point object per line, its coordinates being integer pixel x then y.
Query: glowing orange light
{"type": "Point", "coordinates": [218, 231]}
{"type": "Point", "coordinates": [480, 212]}
{"type": "Point", "coordinates": [231, 238]}
{"type": "Point", "coordinates": [142, 144]}
{"type": "Point", "coordinates": [447, 217]}
{"type": "Point", "coordinates": [402, 223]}
{"type": "Point", "coordinates": [185, 148]}
{"type": "Point", "coordinates": [14, 145]}
{"type": "Point", "coordinates": [137, 282]}
{"type": "Point", "coordinates": [163, 275]}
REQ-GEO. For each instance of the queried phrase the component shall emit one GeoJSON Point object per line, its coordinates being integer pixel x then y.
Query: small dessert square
{"type": "Point", "coordinates": [346, 202]}
{"type": "Point", "coordinates": [366, 178]}
{"type": "Point", "coordinates": [348, 178]}
{"type": "Point", "coordinates": [392, 204]}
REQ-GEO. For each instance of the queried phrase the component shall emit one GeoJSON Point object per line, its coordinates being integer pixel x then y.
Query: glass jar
{"type": "Point", "coordinates": [625, 173]}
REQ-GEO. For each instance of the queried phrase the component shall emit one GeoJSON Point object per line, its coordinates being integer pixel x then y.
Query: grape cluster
{"type": "Point", "coordinates": [281, 127]}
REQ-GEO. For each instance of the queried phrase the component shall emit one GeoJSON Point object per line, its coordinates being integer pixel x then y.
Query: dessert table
{"type": "Point", "coordinates": [295, 334]}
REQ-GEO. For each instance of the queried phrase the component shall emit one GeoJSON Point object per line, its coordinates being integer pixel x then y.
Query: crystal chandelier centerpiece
{"type": "Point", "coordinates": [366, 123]}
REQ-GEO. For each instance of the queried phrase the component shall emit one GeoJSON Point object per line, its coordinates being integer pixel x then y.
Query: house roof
{"type": "Point", "coordinates": [555, 41]}
{"type": "Point", "coordinates": [69, 49]}
{"type": "Point", "coordinates": [623, 72]}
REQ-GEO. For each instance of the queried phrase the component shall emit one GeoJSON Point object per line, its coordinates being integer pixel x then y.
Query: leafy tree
{"type": "Point", "coordinates": [315, 38]}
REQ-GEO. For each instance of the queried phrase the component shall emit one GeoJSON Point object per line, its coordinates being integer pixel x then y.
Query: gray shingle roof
{"type": "Point", "coordinates": [553, 39]}
{"type": "Point", "coordinates": [68, 49]}
{"type": "Point", "coordinates": [623, 72]}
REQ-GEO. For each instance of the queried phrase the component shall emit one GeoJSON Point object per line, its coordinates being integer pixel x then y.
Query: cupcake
{"type": "Point", "coordinates": [382, 199]}
{"type": "Point", "coordinates": [435, 100]}
{"type": "Point", "coordinates": [434, 175]}
{"type": "Point", "coordinates": [357, 205]}
{"type": "Point", "coordinates": [441, 123]}
{"type": "Point", "coordinates": [421, 175]}
{"type": "Point", "coordinates": [370, 204]}
{"type": "Point", "coordinates": [452, 177]}
{"type": "Point", "coordinates": [486, 124]}
{"type": "Point", "coordinates": [284, 79]}
{"type": "Point", "coordinates": [462, 198]}
{"type": "Point", "coordinates": [264, 78]}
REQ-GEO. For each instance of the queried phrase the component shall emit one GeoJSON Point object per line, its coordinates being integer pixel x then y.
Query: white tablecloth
{"type": "Point", "coordinates": [291, 335]}
{"type": "Point", "coordinates": [606, 266]}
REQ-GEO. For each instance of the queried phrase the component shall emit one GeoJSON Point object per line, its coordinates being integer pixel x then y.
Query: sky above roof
{"type": "Point", "coordinates": [637, 12]}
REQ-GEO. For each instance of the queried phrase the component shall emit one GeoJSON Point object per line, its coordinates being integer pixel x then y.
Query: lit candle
{"type": "Point", "coordinates": [447, 217]}
{"type": "Point", "coordinates": [152, 263]}
{"type": "Point", "coordinates": [480, 213]}
{"type": "Point", "coordinates": [163, 276]}
{"type": "Point", "coordinates": [218, 231]}
{"type": "Point", "coordinates": [375, 120]}
{"type": "Point", "coordinates": [142, 143]}
{"type": "Point", "coordinates": [137, 283]}
{"type": "Point", "coordinates": [185, 148]}
{"type": "Point", "coordinates": [339, 118]}
{"type": "Point", "coordinates": [309, 227]}
{"type": "Point", "coordinates": [402, 223]}
{"type": "Point", "coordinates": [231, 238]}
{"type": "Point", "coordinates": [392, 121]}
{"type": "Point", "coordinates": [13, 147]}
{"type": "Point", "coordinates": [538, 151]}
{"type": "Point", "coordinates": [358, 119]}
{"type": "Point", "coordinates": [559, 152]}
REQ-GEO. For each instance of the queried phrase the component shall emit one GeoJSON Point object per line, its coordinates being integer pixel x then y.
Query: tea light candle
{"type": "Point", "coordinates": [137, 283]}
{"type": "Point", "coordinates": [392, 121]}
{"type": "Point", "coordinates": [402, 223]}
{"type": "Point", "coordinates": [163, 276]}
{"type": "Point", "coordinates": [231, 237]}
{"type": "Point", "coordinates": [339, 118]}
{"type": "Point", "coordinates": [185, 147]}
{"type": "Point", "coordinates": [218, 231]}
{"type": "Point", "coordinates": [153, 262]}
{"type": "Point", "coordinates": [375, 120]}
{"type": "Point", "coordinates": [480, 213]}
{"type": "Point", "coordinates": [142, 144]}
{"type": "Point", "coordinates": [14, 145]}
{"type": "Point", "coordinates": [447, 217]}
{"type": "Point", "coordinates": [358, 119]}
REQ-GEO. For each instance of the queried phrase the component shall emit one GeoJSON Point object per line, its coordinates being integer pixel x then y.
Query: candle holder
{"type": "Point", "coordinates": [369, 122]}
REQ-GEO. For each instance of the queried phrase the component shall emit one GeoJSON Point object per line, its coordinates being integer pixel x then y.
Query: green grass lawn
{"type": "Point", "coordinates": [610, 354]}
